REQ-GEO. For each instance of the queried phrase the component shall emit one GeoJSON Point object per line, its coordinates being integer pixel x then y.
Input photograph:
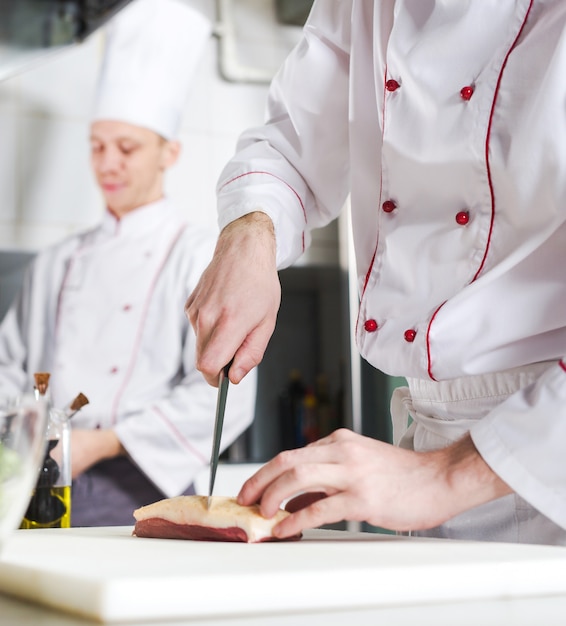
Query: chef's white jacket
{"type": "Point", "coordinates": [446, 122]}
{"type": "Point", "coordinates": [104, 313]}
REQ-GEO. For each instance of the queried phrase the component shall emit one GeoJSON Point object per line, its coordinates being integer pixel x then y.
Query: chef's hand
{"type": "Point", "coordinates": [351, 477]}
{"type": "Point", "coordinates": [234, 307]}
{"type": "Point", "coordinates": [88, 447]}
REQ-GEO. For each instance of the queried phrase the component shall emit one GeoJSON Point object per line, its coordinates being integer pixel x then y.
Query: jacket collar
{"type": "Point", "coordinates": [139, 221]}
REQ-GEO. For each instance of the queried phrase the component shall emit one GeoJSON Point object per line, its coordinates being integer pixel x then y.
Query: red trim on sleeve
{"type": "Point", "coordinates": [562, 365]}
{"type": "Point", "coordinates": [179, 435]}
{"type": "Point", "coordinates": [281, 181]}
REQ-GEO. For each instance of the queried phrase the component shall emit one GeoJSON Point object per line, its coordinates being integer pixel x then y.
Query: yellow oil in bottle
{"type": "Point", "coordinates": [50, 503]}
{"type": "Point", "coordinates": [49, 507]}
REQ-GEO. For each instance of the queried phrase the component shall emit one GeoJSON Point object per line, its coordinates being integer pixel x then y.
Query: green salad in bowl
{"type": "Point", "coordinates": [10, 463]}
{"type": "Point", "coordinates": [11, 468]}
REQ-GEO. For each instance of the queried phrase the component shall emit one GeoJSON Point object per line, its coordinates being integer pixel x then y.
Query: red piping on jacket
{"type": "Point", "coordinates": [368, 273]}
{"type": "Point", "coordinates": [562, 365]}
{"type": "Point", "coordinates": [429, 364]}
{"type": "Point", "coordinates": [137, 342]}
{"type": "Point", "coordinates": [281, 181]}
{"type": "Point", "coordinates": [492, 194]}
{"type": "Point", "coordinates": [489, 178]}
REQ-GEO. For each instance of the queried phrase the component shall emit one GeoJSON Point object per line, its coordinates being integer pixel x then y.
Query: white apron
{"type": "Point", "coordinates": [429, 415]}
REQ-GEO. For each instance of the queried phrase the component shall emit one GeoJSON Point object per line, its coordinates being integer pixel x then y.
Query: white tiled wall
{"type": "Point", "coordinates": [46, 187]}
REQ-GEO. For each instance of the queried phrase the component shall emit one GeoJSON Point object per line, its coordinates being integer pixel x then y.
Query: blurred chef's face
{"type": "Point", "coordinates": [129, 163]}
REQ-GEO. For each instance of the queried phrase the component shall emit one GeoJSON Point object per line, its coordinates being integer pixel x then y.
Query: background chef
{"type": "Point", "coordinates": [445, 122]}
{"type": "Point", "coordinates": [103, 311]}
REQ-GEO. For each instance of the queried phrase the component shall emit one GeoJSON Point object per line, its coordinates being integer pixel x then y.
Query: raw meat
{"type": "Point", "coordinates": [187, 517]}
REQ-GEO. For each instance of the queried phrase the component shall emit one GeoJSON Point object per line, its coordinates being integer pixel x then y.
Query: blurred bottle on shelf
{"type": "Point", "coordinates": [340, 400]}
{"type": "Point", "coordinates": [326, 412]}
{"type": "Point", "coordinates": [291, 411]}
{"type": "Point", "coordinates": [310, 430]}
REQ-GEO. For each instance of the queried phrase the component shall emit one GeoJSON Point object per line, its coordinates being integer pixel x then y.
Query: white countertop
{"type": "Point", "coordinates": [542, 611]}
{"type": "Point", "coordinates": [329, 577]}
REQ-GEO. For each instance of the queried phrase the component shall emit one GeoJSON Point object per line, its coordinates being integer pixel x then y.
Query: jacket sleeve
{"type": "Point", "coordinates": [14, 336]}
{"type": "Point", "coordinates": [522, 440]}
{"type": "Point", "coordinates": [12, 353]}
{"type": "Point", "coordinates": [295, 167]}
{"type": "Point", "coordinates": [27, 332]}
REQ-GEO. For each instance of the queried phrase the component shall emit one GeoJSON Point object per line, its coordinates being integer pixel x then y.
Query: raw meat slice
{"type": "Point", "coordinates": [187, 517]}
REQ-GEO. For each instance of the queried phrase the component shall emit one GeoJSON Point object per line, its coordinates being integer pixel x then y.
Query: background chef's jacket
{"type": "Point", "coordinates": [104, 313]}
{"type": "Point", "coordinates": [446, 122]}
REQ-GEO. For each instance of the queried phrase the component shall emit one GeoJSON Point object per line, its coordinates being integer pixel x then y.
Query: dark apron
{"type": "Point", "coordinates": [108, 493]}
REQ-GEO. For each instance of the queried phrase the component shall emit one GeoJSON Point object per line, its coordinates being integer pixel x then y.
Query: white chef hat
{"type": "Point", "coordinates": [152, 50]}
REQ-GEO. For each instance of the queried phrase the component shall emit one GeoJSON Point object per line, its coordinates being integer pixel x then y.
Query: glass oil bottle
{"type": "Point", "coordinates": [50, 503]}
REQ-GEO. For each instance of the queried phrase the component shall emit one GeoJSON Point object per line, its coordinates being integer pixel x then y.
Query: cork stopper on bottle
{"type": "Point", "coordinates": [41, 382]}
{"type": "Point", "coordinates": [78, 402]}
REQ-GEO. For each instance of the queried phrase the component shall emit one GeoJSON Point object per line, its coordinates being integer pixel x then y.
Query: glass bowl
{"type": "Point", "coordinates": [23, 422]}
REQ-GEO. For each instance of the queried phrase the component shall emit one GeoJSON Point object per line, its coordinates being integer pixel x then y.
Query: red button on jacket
{"type": "Point", "coordinates": [462, 217]}
{"type": "Point", "coordinates": [370, 326]}
{"type": "Point", "coordinates": [388, 206]}
{"type": "Point", "coordinates": [467, 92]}
{"type": "Point", "coordinates": [392, 85]}
{"type": "Point", "coordinates": [410, 335]}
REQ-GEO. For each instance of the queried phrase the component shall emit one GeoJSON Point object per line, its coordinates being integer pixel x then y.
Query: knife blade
{"type": "Point", "coordinates": [223, 382]}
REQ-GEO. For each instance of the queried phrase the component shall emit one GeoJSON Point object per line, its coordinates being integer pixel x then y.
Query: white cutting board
{"type": "Point", "coordinates": [108, 575]}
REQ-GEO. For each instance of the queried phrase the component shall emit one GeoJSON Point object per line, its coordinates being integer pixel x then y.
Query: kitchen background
{"type": "Point", "coordinates": [311, 370]}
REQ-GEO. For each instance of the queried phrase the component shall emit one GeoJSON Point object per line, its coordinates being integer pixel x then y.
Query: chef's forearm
{"type": "Point", "coordinates": [89, 447]}
{"type": "Point", "coordinates": [256, 225]}
{"type": "Point", "coordinates": [466, 479]}
{"type": "Point", "coordinates": [109, 445]}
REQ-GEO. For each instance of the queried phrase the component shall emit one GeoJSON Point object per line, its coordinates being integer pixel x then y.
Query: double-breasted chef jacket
{"type": "Point", "coordinates": [104, 313]}
{"type": "Point", "coordinates": [446, 124]}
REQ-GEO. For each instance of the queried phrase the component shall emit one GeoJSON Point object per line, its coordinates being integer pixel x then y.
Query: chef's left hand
{"type": "Point", "coordinates": [88, 447]}
{"type": "Point", "coordinates": [368, 480]}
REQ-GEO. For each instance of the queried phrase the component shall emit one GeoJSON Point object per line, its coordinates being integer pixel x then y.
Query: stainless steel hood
{"type": "Point", "coordinates": [30, 30]}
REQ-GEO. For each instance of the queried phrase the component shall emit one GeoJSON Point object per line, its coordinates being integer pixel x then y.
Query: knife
{"type": "Point", "coordinates": [223, 382]}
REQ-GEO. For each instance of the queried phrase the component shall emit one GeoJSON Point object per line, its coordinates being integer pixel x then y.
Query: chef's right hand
{"type": "Point", "coordinates": [233, 308]}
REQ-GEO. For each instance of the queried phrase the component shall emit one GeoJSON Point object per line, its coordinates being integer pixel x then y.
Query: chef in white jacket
{"type": "Point", "coordinates": [103, 311]}
{"type": "Point", "coordinates": [445, 121]}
